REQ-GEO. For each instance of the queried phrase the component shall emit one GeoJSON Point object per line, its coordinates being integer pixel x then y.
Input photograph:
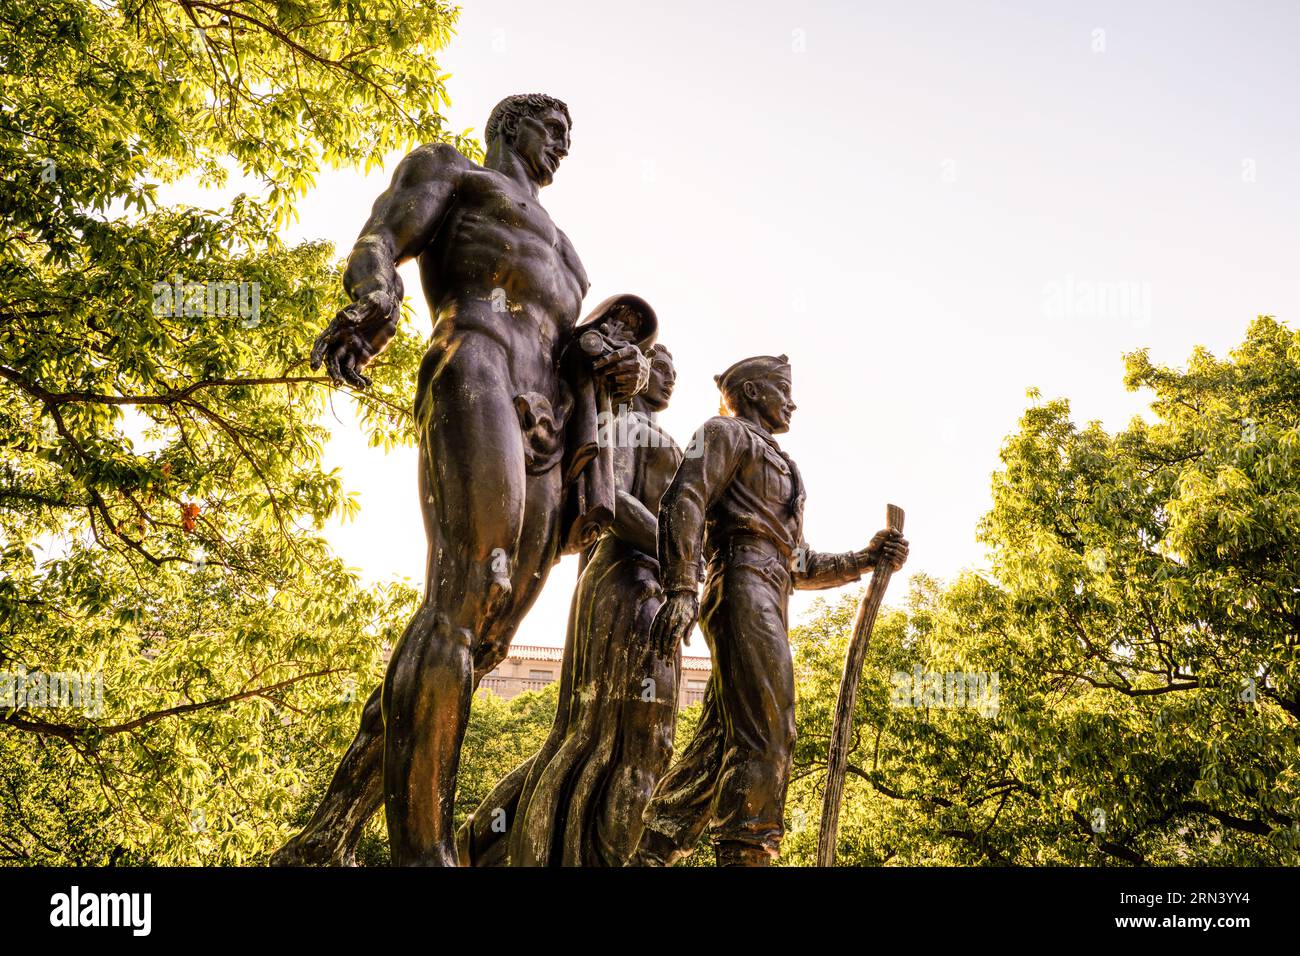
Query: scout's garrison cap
{"type": "Point", "coordinates": [751, 368]}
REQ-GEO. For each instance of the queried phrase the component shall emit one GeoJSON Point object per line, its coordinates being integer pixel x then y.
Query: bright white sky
{"type": "Point", "coordinates": [908, 199]}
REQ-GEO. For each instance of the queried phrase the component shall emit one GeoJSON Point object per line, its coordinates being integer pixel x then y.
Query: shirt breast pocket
{"type": "Point", "coordinates": [776, 462]}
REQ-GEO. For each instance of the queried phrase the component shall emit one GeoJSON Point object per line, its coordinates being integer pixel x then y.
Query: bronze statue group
{"type": "Point", "coordinates": [516, 404]}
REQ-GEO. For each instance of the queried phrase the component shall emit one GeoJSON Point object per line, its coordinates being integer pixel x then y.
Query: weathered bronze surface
{"type": "Point", "coordinates": [510, 478]}
{"type": "Point", "coordinates": [734, 514]}
{"type": "Point", "coordinates": [356, 789]}
{"type": "Point", "coordinates": [579, 800]}
{"type": "Point", "coordinates": [516, 404]}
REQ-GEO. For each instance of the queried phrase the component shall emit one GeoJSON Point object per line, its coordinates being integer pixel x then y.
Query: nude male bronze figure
{"type": "Point", "coordinates": [504, 480]}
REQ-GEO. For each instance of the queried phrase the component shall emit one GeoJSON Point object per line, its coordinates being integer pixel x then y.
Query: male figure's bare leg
{"type": "Point", "coordinates": [486, 511]}
{"type": "Point", "coordinates": [481, 841]}
{"type": "Point", "coordinates": [356, 791]}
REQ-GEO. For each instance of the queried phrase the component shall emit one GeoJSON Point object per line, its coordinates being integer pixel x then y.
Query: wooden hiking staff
{"type": "Point", "coordinates": [842, 729]}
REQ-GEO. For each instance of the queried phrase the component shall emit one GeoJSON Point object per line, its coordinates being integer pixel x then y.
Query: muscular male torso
{"type": "Point", "coordinates": [497, 266]}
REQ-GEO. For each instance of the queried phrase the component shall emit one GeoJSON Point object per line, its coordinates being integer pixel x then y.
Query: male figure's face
{"type": "Point", "coordinates": [542, 140]}
{"type": "Point", "coordinates": [770, 397]}
{"type": "Point", "coordinates": [663, 378]}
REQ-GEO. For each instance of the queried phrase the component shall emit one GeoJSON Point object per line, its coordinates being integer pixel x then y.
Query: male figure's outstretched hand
{"type": "Point", "coordinates": [886, 545]}
{"type": "Point", "coordinates": [674, 621]}
{"type": "Point", "coordinates": [358, 333]}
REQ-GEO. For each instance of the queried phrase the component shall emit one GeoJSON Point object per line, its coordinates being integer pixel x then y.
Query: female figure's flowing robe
{"type": "Point", "coordinates": [578, 801]}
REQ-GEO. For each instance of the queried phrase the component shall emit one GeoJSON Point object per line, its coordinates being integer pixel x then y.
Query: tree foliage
{"type": "Point", "coordinates": [1142, 616]}
{"type": "Point", "coordinates": [161, 486]}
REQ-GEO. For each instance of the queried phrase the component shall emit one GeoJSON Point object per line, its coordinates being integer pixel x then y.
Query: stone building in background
{"type": "Point", "coordinates": [532, 667]}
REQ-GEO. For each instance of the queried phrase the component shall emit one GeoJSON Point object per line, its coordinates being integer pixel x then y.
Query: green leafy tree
{"type": "Point", "coordinates": [161, 487]}
{"type": "Point", "coordinates": [1141, 615]}
{"type": "Point", "coordinates": [500, 736]}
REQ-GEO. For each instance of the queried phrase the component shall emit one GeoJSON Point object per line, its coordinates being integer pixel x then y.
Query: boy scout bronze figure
{"type": "Point", "coordinates": [736, 503]}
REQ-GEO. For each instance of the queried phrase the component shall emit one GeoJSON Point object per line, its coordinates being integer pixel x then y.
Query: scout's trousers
{"type": "Point", "coordinates": [732, 777]}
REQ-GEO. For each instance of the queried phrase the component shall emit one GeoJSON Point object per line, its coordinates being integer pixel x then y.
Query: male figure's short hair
{"type": "Point", "coordinates": [513, 108]}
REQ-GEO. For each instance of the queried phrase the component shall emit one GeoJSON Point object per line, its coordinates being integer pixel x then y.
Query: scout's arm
{"type": "Point", "coordinates": [708, 467]}
{"type": "Point", "coordinates": [813, 570]}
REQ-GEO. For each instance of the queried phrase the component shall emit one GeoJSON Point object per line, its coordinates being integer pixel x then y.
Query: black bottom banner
{"type": "Point", "coordinates": [259, 906]}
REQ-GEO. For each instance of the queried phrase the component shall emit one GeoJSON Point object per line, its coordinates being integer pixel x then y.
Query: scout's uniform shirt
{"type": "Point", "coordinates": [735, 480]}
